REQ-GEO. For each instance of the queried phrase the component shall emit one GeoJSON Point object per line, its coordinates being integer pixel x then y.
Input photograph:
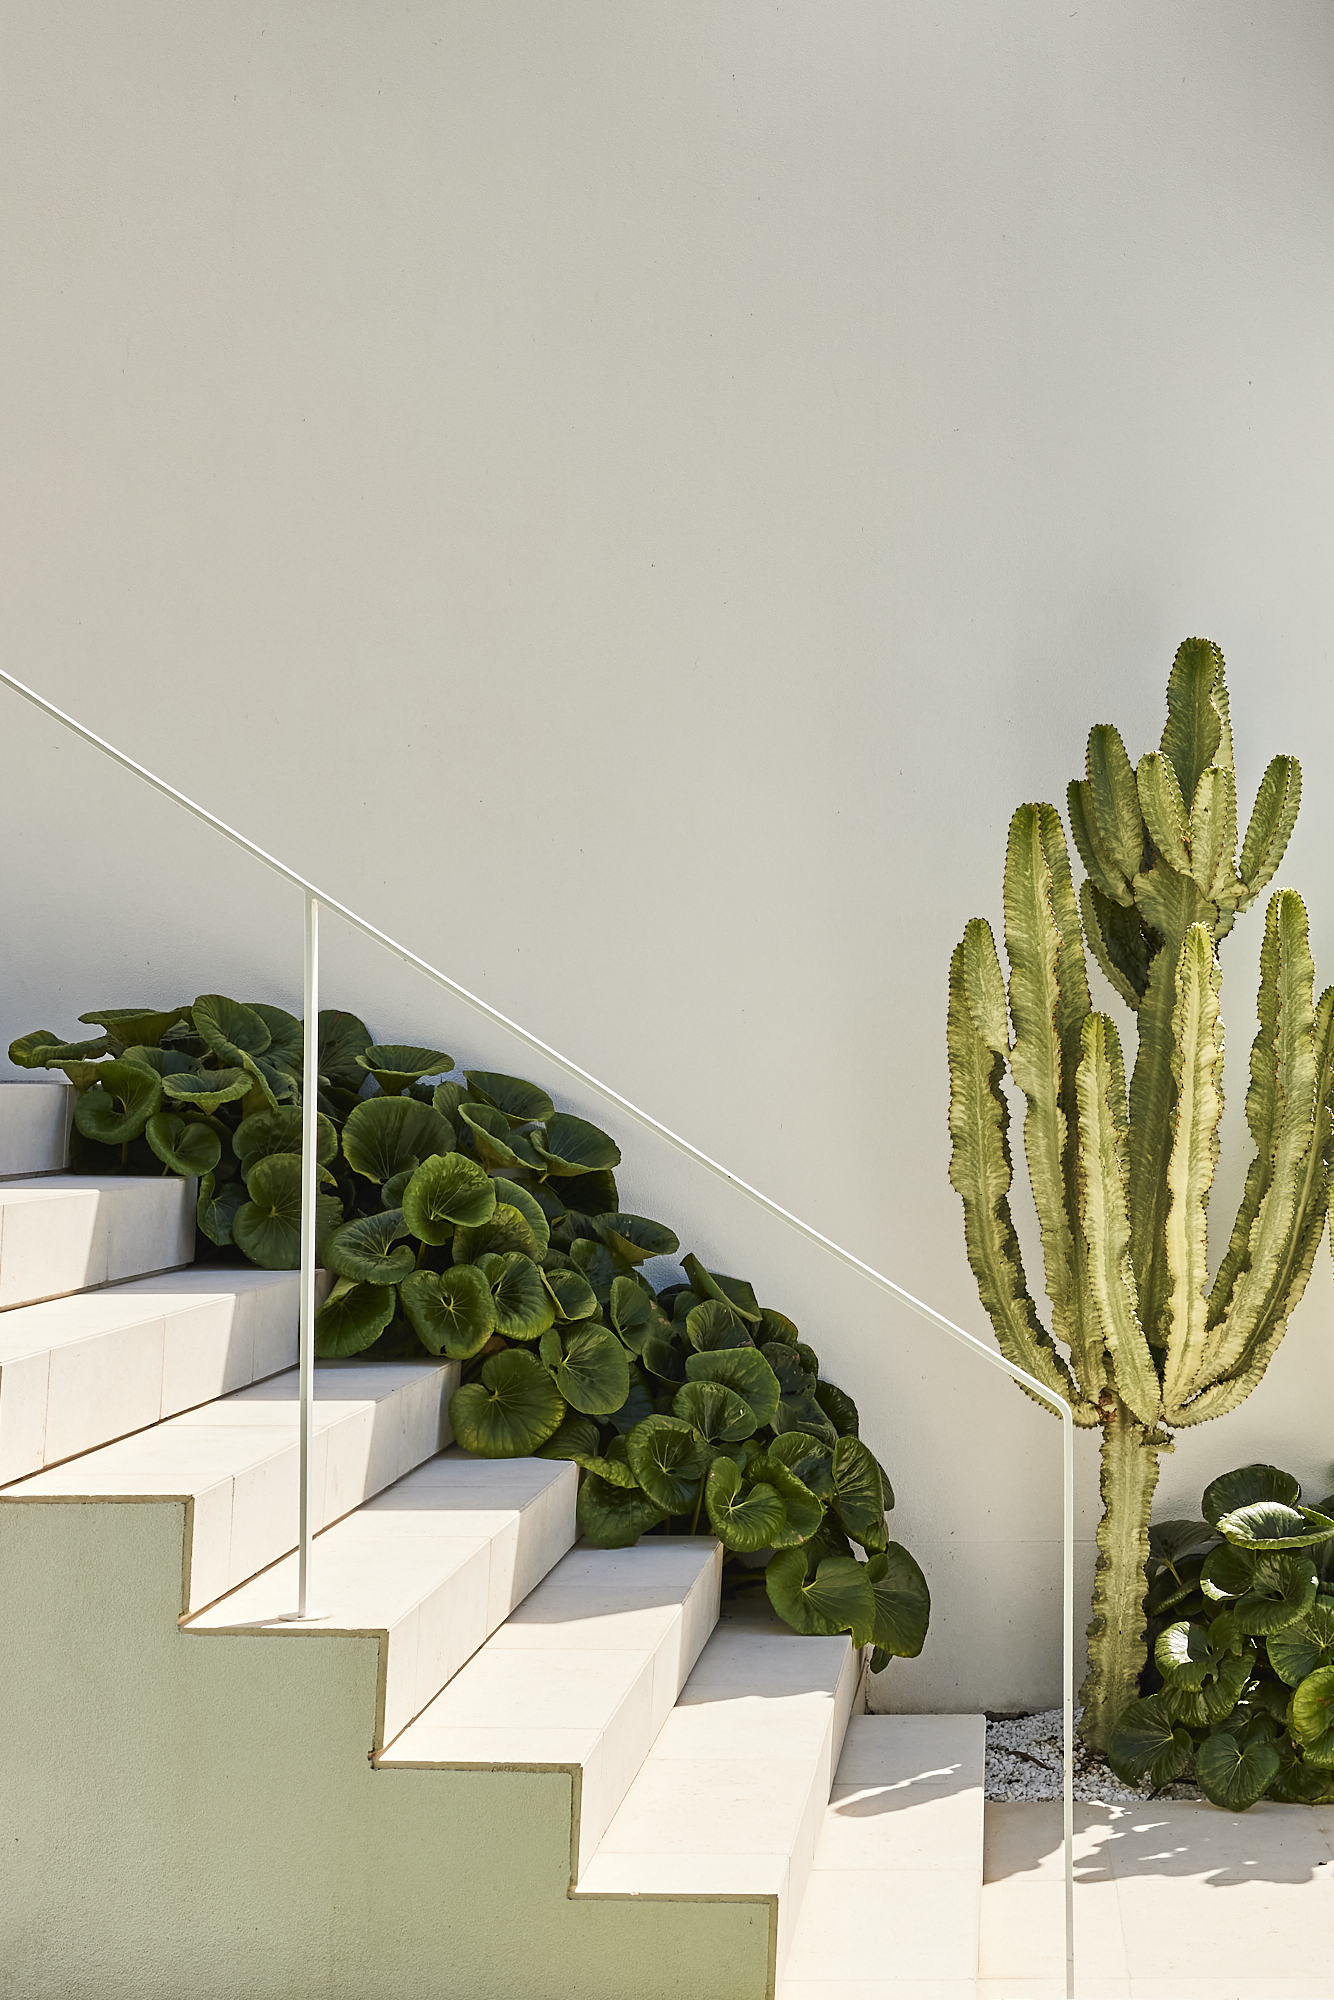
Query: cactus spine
{"type": "Point", "coordinates": [1121, 1180]}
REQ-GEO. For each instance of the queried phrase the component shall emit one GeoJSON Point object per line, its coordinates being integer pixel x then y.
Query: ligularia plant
{"type": "Point", "coordinates": [1141, 1342]}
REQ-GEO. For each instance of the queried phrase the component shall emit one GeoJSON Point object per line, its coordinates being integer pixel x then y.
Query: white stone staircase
{"type": "Point", "coordinates": [499, 1765]}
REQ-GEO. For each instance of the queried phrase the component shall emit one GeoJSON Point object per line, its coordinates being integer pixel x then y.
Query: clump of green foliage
{"type": "Point", "coordinates": [1241, 1610]}
{"type": "Point", "coordinates": [463, 1215]}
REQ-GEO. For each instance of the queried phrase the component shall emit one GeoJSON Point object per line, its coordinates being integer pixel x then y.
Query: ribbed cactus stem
{"type": "Point", "coordinates": [1117, 1653]}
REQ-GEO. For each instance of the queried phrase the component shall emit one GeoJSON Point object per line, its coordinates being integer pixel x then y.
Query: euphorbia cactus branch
{"type": "Point", "coordinates": [1121, 1180]}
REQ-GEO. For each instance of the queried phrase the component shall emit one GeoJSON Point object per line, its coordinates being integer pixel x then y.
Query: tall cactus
{"type": "Point", "coordinates": [1121, 1186]}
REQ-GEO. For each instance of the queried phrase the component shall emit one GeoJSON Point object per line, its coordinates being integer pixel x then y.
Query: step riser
{"type": "Point", "coordinates": [71, 1234]}
{"type": "Point", "coordinates": [101, 1365]}
{"type": "Point", "coordinates": [35, 1121]}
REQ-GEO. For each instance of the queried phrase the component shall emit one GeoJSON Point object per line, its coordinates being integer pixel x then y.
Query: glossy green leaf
{"type": "Point", "coordinates": [280, 1132]}
{"type": "Point", "coordinates": [1233, 1775]}
{"type": "Point", "coordinates": [803, 1413]}
{"type": "Point", "coordinates": [287, 1037]}
{"type": "Point", "coordinates": [745, 1371]}
{"type": "Point", "coordinates": [1308, 1643]}
{"type": "Point", "coordinates": [383, 1135]}
{"type": "Point", "coordinates": [1244, 1487]}
{"type": "Point", "coordinates": [664, 1357]}
{"type": "Point", "coordinates": [713, 1325]}
{"type": "Point", "coordinates": [206, 1090]}
{"type": "Point", "coordinates": [635, 1238]}
{"type": "Point", "coordinates": [1147, 1746]}
{"type": "Point", "coordinates": [1171, 1541]}
{"type": "Point", "coordinates": [614, 1517]}
{"type": "Point", "coordinates": [634, 1313]}
{"type": "Point", "coordinates": [836, 1596]}
{"type": "Point", "coordinates": [523, 1198]}
{"type": "Point", "coordinates": [447, 1191]}
{"type": "Point", "coordinates": [229, 1029]}
{"type": "Point", "coordinates": [522, 1103]}
{"type": "Point", "coordinates": [590, 1194]}
{"type": "Point", "coordinates": [858, 1499]}
{"type": "Point", "coordinates": [510, 1411]}
{"type": "Point", "coordinates": [43, 1050]}
{"type": "Point", "coordinates": [352, 1318]}
{"type": "Point", "coordinates": [838, 1408]}
{"type": "Point", "coordinates": [504, 1229]}
{"type": "Point", "coordinates": [810, 1458]}
{"type": "Point", "coordinates": [364, 1250]}
{"type": "Point", "coordinates": [716, 1412]}
{"type": "Point", "coordinates": [776, 1326]}
{"type": "Point", "coordinates": [490, 1134]}
{"type": "Point", "coordinates": [1212, 1692]}
{"type": "Point", "coordinates": [744, 1518]}
{"type": "Point", "coordinates": [594, 1377]}
{"type": "Point", "coordinates": [576, 1437]}
{"type": "Point", "coordinates": [613, 1471]}
{"type": "Point", "coordinates": [902, 1602]}
{"type": "Point", "coordinates": [1313, 1717]}
{"type": "Point", "coordinates": [342, 1039]}
{"type": "Point", "coordinates": [734, 1292]}
{"type": "Point", "coordinates": [1185, 1654]}
{"type": "Point", "coordinates": [786, 1364]}
{"type": "Point", "coordinates": [394, 1066]}
{"type": "Point", "coordinates": [1268, 1524]}
{"type": "Point", "coordinates": [136, 1027]}
{"type": "Point", "coordinates": [598, 1266]}
{"type": "Point", "coordinates": [267, 1227]}
{"type": "Point", "coordinates": [668, 1460]}
{"type": "Point", "coordinates": [452, 1312]}
{"type": "Point", "coordinates": [523, 1307]}
{"type": "Point", "coordinates": [1264, 1592]}
{"type": "Point", "coordinates": [216, 1209]}
{"type": "Point", "coordinates": [119, 1105]}
{"type": "Point", "coordinates": [572, 1146]}
{"type": "Point", "coordinates": [804, 1511]}
{"type": "Point", "coordinates": [572, 1295]}
{"type": "Point", "coordinates": [186, 1146]}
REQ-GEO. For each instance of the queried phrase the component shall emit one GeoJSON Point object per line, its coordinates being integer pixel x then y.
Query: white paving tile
{"type": "Point", "coordinates": [236, 1462]}
{"type": "Point", "coordinates": [74, 1231]}
{"type": "Point", "coordinates": [431, 1597]}
{"type": "Point", "coordinates": [582, 1675]}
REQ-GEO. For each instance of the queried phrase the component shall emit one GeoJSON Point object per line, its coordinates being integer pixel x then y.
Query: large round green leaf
{"type": "Point", "coordinates": [571, 1146]}
{"type": "Point", "coordinates": [522, 1304]}
{"type": "Point", "coordinates": [342, 1039]}
{"type": "Point", "coordinates": [1298, 1783]}
{"type": "Point", "coordinates": [744, 1518]}
{"type": "Point", "coordinates": [1313, 1717]}
{"type": "Point", "coordinates": [1171, 1542]}
{"type": "Point", "coordinates": [1233, 1775]}
{"type": "Point", "coordinates": [136, 1027]}
{"type": "Point", "coordinates": [1300, 1648]}
{"type": "Point", "coordinates": [836, 1597]}
{"type": "Point", "coordinates": [489, 1131]}
{"type": "Point", "coordinates": [576, 1438]}
{"type": "Point", "coordinates": [384, 1135]}
{"type": "Point", "coordinates": [43, 1050]}
{"type": "Point", "coordinates": [394, 1065]}
{"type": "Point", "coordinates": [504, 1229]}
{"type": "Point", "coordinates": [522, 1103]}
{"type": "Point", "coordinates": [715, 1411]}
{"type": "Point", "coordinates": [267, 1228]}
{"type": "Point", "coordinates": [804, 1511]}
{"type": "Point", "coordinates": [1185, 1655]}
{"type": "Point", "coordinates": [902, 1603]}
{"type": "Point", "coordinates": [229, 1029]}
{"type": "Point", "coordinates": [614, 1517]}
{"type": "Point", "coordinates": [216, 1209]}
{"type": "Point", "coordinates": [1245, 1486]}
{"type": "Point", "coordinates": [446, 1192]}
{"type": "Point", "coordinates": [280, 1132]}
{"type": "Point", "coordinates": [1263, 1592]}
{"type": "Point", "coordinates": [594, 1376]}
{"type": "Point", "coordinates": [667, 1459]}
{"type": "Point", "coordinates": [810, 1458]}
{"type": "Point", "coordinates": [745, 1371]}
{"type": "Point", "coordinates": [287, 1036]}
{"type": "Point", "coordinates": [572, 1294]}
{"type": "Point", "coordinates": [1218, 1687]}
{"type": "Point", "coordinates": [162, 1062]}
{"type": "Point", "coordinates": [590, 1194]}
{"type": "Point", "coordinates": [364, 1249]}
{"type": "Point", "coordinates": [1148, 1745]}
{"type": "Point", "coordinates": [119, 1105]}
{"type": "Point", "coordinates": [598, 1265]}
{"type": "Point", "coordinates": [803, 1413]}
{"type": "Point", "coordinates": [712, 1326]}
{"type": "Point", "coordinates": [613, 1471]}
{"type": "Point", "coordinates": [776, 1326]}
{"type": "Point", "coordinates": [205, 1090]}
{"type": "Point", "coordinates": [734, 1292]}
{"type": "Point", "coordinates": [452, 1312]}
{"type": "Point", "coordinates": [352, 1318]}
{"type": "Point", "coordinates": [664, 1357]}
{"type": "Point", "coordinates": [1271, 1524]}
{"type": "Point", "coordinates": [784, 1360]}
{"type": "Point", "coordinates": [858, 1499]}
{"type": "Point", "coordinates": [512, 1410]}
{"type": "Point", "coordinates": [186, 1146]}
{"type": "Point", "coordinates": [839, 1408]}
{"type": "Point", "coordinates": [635, 1237]}
{"type": "Point", "coordinates": [530, 1209]}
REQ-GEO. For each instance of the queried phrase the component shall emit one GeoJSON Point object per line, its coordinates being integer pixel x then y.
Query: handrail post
{"type": "Point", "coordinates": [310, 1081]}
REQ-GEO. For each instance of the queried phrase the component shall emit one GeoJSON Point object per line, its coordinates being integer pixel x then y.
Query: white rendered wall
{"type": "Point", "coordinates": [631, 497]}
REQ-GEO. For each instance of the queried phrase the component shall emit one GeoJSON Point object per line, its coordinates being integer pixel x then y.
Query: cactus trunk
{"type": "Point", "coordinates": [1117, 1653]}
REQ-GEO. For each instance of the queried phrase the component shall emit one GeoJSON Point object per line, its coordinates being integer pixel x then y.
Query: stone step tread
{"type": "Point", "coordinates": [71, 1232]}
{"type": "Point", "coordinates": [894, 1894]}
{"type": "Point", "coordinates": [582, 1676]}
{"type": "Point", "coordinates": [729, 1800]}
{"type": "Point", "coordinates": [35, 1120]}
{"type": "Point", "coordinates": [433, 1564]}
{"type": "Point", "coordinates": [236, 1462]}
{"type": "Point", "coordinates": [80, 1371]}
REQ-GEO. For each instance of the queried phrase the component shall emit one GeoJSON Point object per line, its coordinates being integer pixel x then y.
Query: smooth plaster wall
{"type": "Point", "coordinates": [630, 497]}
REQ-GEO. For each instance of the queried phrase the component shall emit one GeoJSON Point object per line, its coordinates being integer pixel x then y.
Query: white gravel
{"type": "Point", "coordinates": [1024, 1762]}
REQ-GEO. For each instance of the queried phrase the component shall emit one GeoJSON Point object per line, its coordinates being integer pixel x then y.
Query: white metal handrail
{"type": "Point", "coordinates": [314, 898]}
